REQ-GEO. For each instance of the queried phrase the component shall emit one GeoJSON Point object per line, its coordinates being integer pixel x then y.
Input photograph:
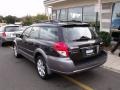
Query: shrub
{"type": "Point", "coordinates": [106, 38]}
{"type": "Point", "coordinates": [39, 17]}
{"type": "Point", "coordinates": [27, 20]}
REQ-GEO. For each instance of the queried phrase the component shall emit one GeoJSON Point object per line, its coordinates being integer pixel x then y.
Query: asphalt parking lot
{"type": "Point", "coordinates": [20, 74]}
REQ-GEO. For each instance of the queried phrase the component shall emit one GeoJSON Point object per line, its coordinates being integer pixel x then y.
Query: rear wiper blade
{"type": "Point", "coordinates": [83, 38]}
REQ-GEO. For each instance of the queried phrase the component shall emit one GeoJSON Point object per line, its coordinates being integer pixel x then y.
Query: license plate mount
{"type": "Point", "coordinates": [89, 52]}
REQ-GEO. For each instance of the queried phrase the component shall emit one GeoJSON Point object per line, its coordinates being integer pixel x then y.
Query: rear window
{"type": "Point", "coordinates": [11, 29]}
{"type": "Point", "coordinates": [49, 33]}
{"type": "Point", "coordinates": [78, 34]}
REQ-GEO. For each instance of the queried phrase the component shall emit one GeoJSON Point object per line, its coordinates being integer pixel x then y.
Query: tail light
{"type": "Point", "coordinates": [61, 48]}
{"type": "Point", "coordinates": [4, 34]}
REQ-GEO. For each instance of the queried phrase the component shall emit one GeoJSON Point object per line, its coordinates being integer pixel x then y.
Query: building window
{"type": "Point", "coordinates": [63, 15]}
{"type": "Point", "coordinates": [75, 14]}
{"type": "Point", "coordinates": [58, 14]}
{"type": "Point", "coordinates": [89, 14]}
{"type": "Point", "coordinates": [116, 21]}
{"type": "Point", "coordinates": [116, 16]}
{"type": "Point", "coordinates": [116, 11]}
{"type": "Point", "coordinates": [85, 14]}
{"type": "Point", "coordinates": [54, 14]}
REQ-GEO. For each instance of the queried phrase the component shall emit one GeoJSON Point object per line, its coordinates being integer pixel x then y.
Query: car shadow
{"type": "Point", "coordinates": [90, 74]}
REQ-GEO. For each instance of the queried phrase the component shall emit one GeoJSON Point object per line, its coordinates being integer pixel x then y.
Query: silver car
{"type": "Point", "coordinates": [20, 31]}
{"type": "Point", "coordinates": [7, 33]}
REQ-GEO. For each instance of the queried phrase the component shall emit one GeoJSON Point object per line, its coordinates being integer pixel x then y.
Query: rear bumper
{"type": "Point", "coordinates": [7, 39]}
{"type": "Point", "coordinates": [67, 66]}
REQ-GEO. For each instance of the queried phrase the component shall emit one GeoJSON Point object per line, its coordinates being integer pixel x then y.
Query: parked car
{"type": "Point", "coordinates": [7, 33]}
{"type": "Point", "coordinates": [115, 29]}
{"type": "Point", "coordinates": [65, 48]}
{"type": "Point", "coordinates": [20, 31]}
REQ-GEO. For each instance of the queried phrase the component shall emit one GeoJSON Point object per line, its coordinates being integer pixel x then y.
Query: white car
{"type": "Point", "coordinates": [7, 33]}
{"type": "Point", "coordinates": [20, 31]}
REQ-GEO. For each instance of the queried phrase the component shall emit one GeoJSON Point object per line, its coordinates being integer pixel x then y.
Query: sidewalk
{"type": "Point", "coordinates": [113, 62]}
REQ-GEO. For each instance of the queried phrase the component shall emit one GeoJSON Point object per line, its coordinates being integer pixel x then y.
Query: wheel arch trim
{"type": "Point", "coordinates": [38, 50]}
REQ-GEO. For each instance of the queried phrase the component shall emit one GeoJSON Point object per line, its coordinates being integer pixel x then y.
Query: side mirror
{"type": "Point", "coordinates": [19, 35]}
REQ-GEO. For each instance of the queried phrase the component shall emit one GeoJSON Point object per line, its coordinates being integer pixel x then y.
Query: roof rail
{"type": "Point", "coordinates": [72, 22]}
{"type": "Point", "coordinates": [60, 21]}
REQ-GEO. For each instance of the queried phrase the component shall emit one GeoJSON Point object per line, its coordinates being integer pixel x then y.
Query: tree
{"type": "Point", "coordinates": [18, 19]}
{"type": "Point", "coordinates": [39, 18]}
{"type": "Point", "coordinates": [1, 19]}
{"type": "Point", "coordinates": [27, 20]}
{"type": "Point", "coordinates": [10, 19]}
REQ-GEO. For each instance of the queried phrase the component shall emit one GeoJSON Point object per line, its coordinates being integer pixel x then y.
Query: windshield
{"type": "Point", "coordinates": [78, 34]}
{"type": "Point", "coordinates": [11, 29]}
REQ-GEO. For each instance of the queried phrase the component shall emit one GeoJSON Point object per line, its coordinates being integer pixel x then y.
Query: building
{"type": "Point", "coordinates": [92, 11]}
{"type": "Point", "coordinates": [18, 23]}
{"type": "Point", "coordinates": [2, 24]}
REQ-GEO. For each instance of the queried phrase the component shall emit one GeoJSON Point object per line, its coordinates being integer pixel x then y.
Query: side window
{"type": "Point", "coordinates": [34, 34]}
{"type": "Point", "coordinates": [27, 32]}
{"type": "Point", "coordinates": [49, 33]}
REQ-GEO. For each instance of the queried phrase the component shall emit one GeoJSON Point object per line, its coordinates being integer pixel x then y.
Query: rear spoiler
{"type": "Point", "coordinates": [75, 25]}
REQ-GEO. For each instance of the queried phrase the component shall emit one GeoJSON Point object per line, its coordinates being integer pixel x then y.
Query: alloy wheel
{"type": "Point", "coordinates": [41, 68]}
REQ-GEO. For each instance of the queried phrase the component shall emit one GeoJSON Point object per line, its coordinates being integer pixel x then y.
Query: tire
{"type": "Point", "coordinates": [16, 54]}
{"type": "Point", "coordinates": [1, 42]}
{"type": "Point", "coordinates": [42, 68]}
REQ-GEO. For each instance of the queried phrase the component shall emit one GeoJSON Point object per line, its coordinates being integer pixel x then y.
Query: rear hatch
{"type": "Point", "coordinates": [83, 50]}
{"type": "Point", "coordinates": [82, 42]}
{"type": "Point", "coordinates": [10, 31]}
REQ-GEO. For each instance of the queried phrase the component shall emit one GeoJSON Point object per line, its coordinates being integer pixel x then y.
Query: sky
{"type": "Point", "coordinates": [21, 8]}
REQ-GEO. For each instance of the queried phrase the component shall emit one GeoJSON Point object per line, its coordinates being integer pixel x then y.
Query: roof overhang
{"type": "Point", "coordinates": [50, 2]}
